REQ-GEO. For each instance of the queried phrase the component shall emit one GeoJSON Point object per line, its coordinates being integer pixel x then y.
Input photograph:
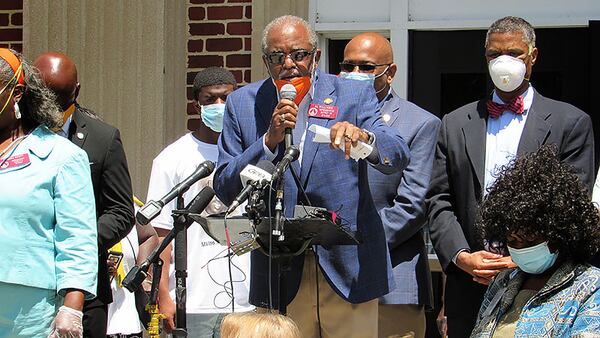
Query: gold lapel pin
{"type": "Point", "coordinates": [328, 100]}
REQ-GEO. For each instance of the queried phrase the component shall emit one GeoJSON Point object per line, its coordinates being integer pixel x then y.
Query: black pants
{"type": "Point", "coordinates": [95, 319]}
{"type": "Point", "coordinates": [462, 302]}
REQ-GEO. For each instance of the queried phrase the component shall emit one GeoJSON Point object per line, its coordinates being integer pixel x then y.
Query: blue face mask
{"type": "Point", "coordinates": [212, 116]}
{"type": "Point", "coordinates": [534, 259]}
{"type": "Point", "coordinates": [369, 77]}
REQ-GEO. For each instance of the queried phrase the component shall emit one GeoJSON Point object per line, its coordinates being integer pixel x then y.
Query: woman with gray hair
{"type": "Point", "coordinates": [47, 216]}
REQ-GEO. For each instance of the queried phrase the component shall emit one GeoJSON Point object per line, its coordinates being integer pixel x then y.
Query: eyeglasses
{"type": "Point", "coordinates": [363, 67]}
{"type": "Point", "coordinates": [278, 58]}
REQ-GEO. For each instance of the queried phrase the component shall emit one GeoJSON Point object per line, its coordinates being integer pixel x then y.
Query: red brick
{"type": "Point", "coordinates": [11, 4]}
{"type": "Point", "coordinates": [190, 78]}
{"type": "Point", "coordinates": [16, 19]}
{"type": "Point", "coordinates": [247, 77]}
{"type": "Point", "coordinates": [193, 124]}
{"type": "Point", "coordinates": [225, 12]}
{"type": "Point", "coordinates": [238, 60]}
{"type": "Point", "coordinates": [189, 93]}
{"type": "Point", "coordinates": [196, 13]}
{"type": "Point", "coordinates": [191, 109]}
{"type": "Point", "coordinates": [247, 44]}
{"type": "Point", "coordinates": [11, 34]}
{"type": "Point", "coordinates": [223, 45]}
{"type": "Point", "coordinates": [239, 28]}
{"type": "Point", "coordinates": [248, 12]}
{"type": "Point", "coordinates": [195, 46]}
{"type": "Point", "coordinates": [17, 46]}
{"type": "Point", "coordinates": [207, 29]}
{"type": "Point", "coordinates": [4, 19]}
{"type": "Point", "coordinates": [204, 61]}
{"type": "Point", "coordinates": [207, 1]}
{"type": "Point", "coordinates": [238, 75]}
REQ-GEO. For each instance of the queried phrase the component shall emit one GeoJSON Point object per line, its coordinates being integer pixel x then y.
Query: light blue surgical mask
{"type": "Point", "coordinates": [534, 259]}
{"type": "Point", "coordinates": [368, 77]}
{"type": "Point", "coordinates": [212, 116]}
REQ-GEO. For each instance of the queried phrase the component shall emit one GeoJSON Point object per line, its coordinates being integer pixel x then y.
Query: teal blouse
{"type": "Point", "coordinates": [48, 235]}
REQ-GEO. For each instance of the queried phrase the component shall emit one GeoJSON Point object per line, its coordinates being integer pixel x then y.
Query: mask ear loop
{"type": "Point", "coordinates": [379, 75]}
{"type": "Point", "coordinates": [14, 77]}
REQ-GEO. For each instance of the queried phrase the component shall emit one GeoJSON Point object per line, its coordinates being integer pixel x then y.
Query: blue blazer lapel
{"type": "Point", "coordinates": [323, 89]}
{"type": "Point", "coordinates": [391, 107]}
{"type": "Point", "coordinates": [266, 100]}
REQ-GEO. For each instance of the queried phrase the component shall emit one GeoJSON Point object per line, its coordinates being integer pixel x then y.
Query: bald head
{"type": "Point", "coordinates": [373, 49]}
{"type": "Point", "coordinates": [60, 75]}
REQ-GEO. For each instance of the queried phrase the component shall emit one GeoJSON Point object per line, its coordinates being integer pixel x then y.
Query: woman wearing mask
{"type": "Point", "coordinates": [541, 214]}
{"type": "Point", "coordinates": [47, 216]}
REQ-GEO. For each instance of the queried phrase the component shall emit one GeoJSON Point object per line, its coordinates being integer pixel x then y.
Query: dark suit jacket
{"type": "Point", "coordinates": [357, 273]}
{"type": "Point", "coordinates": [112, 187]}
{"type": "Point", "coordinates": [458, 176]}
{"type": "Point", "coordinates": [400, 199]}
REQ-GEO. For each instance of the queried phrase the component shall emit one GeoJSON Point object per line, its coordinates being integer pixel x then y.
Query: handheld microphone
{"type": "Point", "coordinates": [152, 209]}
{"type": "Point", "coordinates": [261, 174]}
{"type": "Point", "coordinates": [290, 155]}
{"type": "Point", "coordinates": [288, 91]}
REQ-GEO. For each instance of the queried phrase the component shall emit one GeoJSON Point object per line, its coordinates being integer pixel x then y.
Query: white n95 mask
{"type": "Point", "coordinates": [507, 72]}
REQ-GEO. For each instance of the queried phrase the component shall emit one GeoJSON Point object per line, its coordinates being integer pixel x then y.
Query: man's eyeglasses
{"type": "Point", "coordinates": [278, 58]}
{"type": "Point", "coordinates": [363, 67]}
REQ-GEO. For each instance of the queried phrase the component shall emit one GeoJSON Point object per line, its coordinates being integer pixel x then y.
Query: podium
{"type": "Point", "coordinates": [311, 226]}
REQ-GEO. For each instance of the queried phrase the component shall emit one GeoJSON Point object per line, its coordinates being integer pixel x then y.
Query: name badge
{"type": "Point", "coordinates": [15, 161]}
{"type": "Point", "coordinates": [322, 111]}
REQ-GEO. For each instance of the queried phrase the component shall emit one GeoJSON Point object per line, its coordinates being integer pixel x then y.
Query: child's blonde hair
{"type": "Point", "coordinates": [258, 325]}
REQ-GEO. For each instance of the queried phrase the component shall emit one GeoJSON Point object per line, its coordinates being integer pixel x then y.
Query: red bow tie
{"type": "Point", "coordinates": [496, 109]}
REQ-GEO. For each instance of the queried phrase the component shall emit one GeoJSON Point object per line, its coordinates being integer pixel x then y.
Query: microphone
{"type": "Point", "coordinates": [288, 91]}
{"type": "Point", "coordinates": [138, 273]}
{"type": "Point", "coordinates": [290, 155]}
{"type": "Point", "coordinates": [152, 209]}
{"type": "Point", "coordinates": [252, 175]}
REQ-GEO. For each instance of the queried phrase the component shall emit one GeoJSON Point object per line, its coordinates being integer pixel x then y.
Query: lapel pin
{"type": "Point", "coordinates": [80, 136]}
{"type": "Point", "coordinates": [386, 117]}
{"type": "Point", "coordinates": [328, 100]}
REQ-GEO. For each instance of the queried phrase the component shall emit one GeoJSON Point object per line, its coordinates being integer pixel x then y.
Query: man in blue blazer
{"type": "Point", "coordinates": [347, 280]}
{"type": "Point", "coordinates": [400, 198]}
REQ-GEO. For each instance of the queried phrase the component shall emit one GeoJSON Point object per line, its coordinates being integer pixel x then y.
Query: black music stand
{"type": "Point", "coordinates": [314, 228]}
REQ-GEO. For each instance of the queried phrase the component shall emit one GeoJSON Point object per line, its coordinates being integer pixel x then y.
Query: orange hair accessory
{"type": "Point", "coordinates": [14, 63]}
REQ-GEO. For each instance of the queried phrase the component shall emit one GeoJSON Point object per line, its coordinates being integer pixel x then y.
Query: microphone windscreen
{"type": "Point", "coordinates": [288, 91]}
{"type": "Point", "coordinates": [201, 201]}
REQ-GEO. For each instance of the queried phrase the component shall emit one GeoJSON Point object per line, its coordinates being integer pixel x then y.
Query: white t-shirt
{"type": "Point", "coordinates": [208, 272]}
{"type": "Point", "coordinates": [122, 313]}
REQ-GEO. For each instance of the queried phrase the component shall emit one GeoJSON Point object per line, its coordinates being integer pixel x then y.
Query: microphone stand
{"type": "Point", "coordinates": [137, 274]}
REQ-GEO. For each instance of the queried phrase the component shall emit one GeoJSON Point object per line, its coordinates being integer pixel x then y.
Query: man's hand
{"type": "Point", "coordinates": [348, 132]}
{"type": "Point", "coordinates": [284, 116]}
{"type": "Point", "coordinates": [483, 265]}
{"type": "Point", "coordinates": [166, 306]}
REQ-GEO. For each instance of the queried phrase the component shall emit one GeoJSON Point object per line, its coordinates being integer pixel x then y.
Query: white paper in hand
{"type": "Point", "coordinates": [361, 151]}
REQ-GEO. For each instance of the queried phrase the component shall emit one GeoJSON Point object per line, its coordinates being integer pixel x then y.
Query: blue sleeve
{"type": "Point", "coordinates": [392, 151]}
{"type": "Point", "coordinates": [75, 234]}
{"type": "Point", "coordinates": [587, 322]}
{"type": "Point", "coordinates": [233, 156]}
{"type": "Point", "coordinates": [406, 216]}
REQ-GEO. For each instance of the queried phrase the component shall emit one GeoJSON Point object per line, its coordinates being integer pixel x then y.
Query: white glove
{"type": "Point", "coordinates": [68, 323]}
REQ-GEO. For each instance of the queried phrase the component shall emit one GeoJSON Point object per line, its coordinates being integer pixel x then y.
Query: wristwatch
{"type": "Point", "coordinates": [371, 136]}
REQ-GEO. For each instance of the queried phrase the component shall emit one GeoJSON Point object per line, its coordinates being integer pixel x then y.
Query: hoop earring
{"type": "Point", "coordinates": [17, 111]}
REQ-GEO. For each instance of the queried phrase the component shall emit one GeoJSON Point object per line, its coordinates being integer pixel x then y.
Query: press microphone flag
{"type": "Point", "coordinates": [153, 208]}
{"type": "Point", "coordinates": [250, 175]}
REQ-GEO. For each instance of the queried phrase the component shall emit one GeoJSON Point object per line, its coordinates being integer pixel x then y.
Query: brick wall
{"type": "Point", "coordinates": [11, 24]}
{"type": "Point", "coordinates": [219, 35]}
